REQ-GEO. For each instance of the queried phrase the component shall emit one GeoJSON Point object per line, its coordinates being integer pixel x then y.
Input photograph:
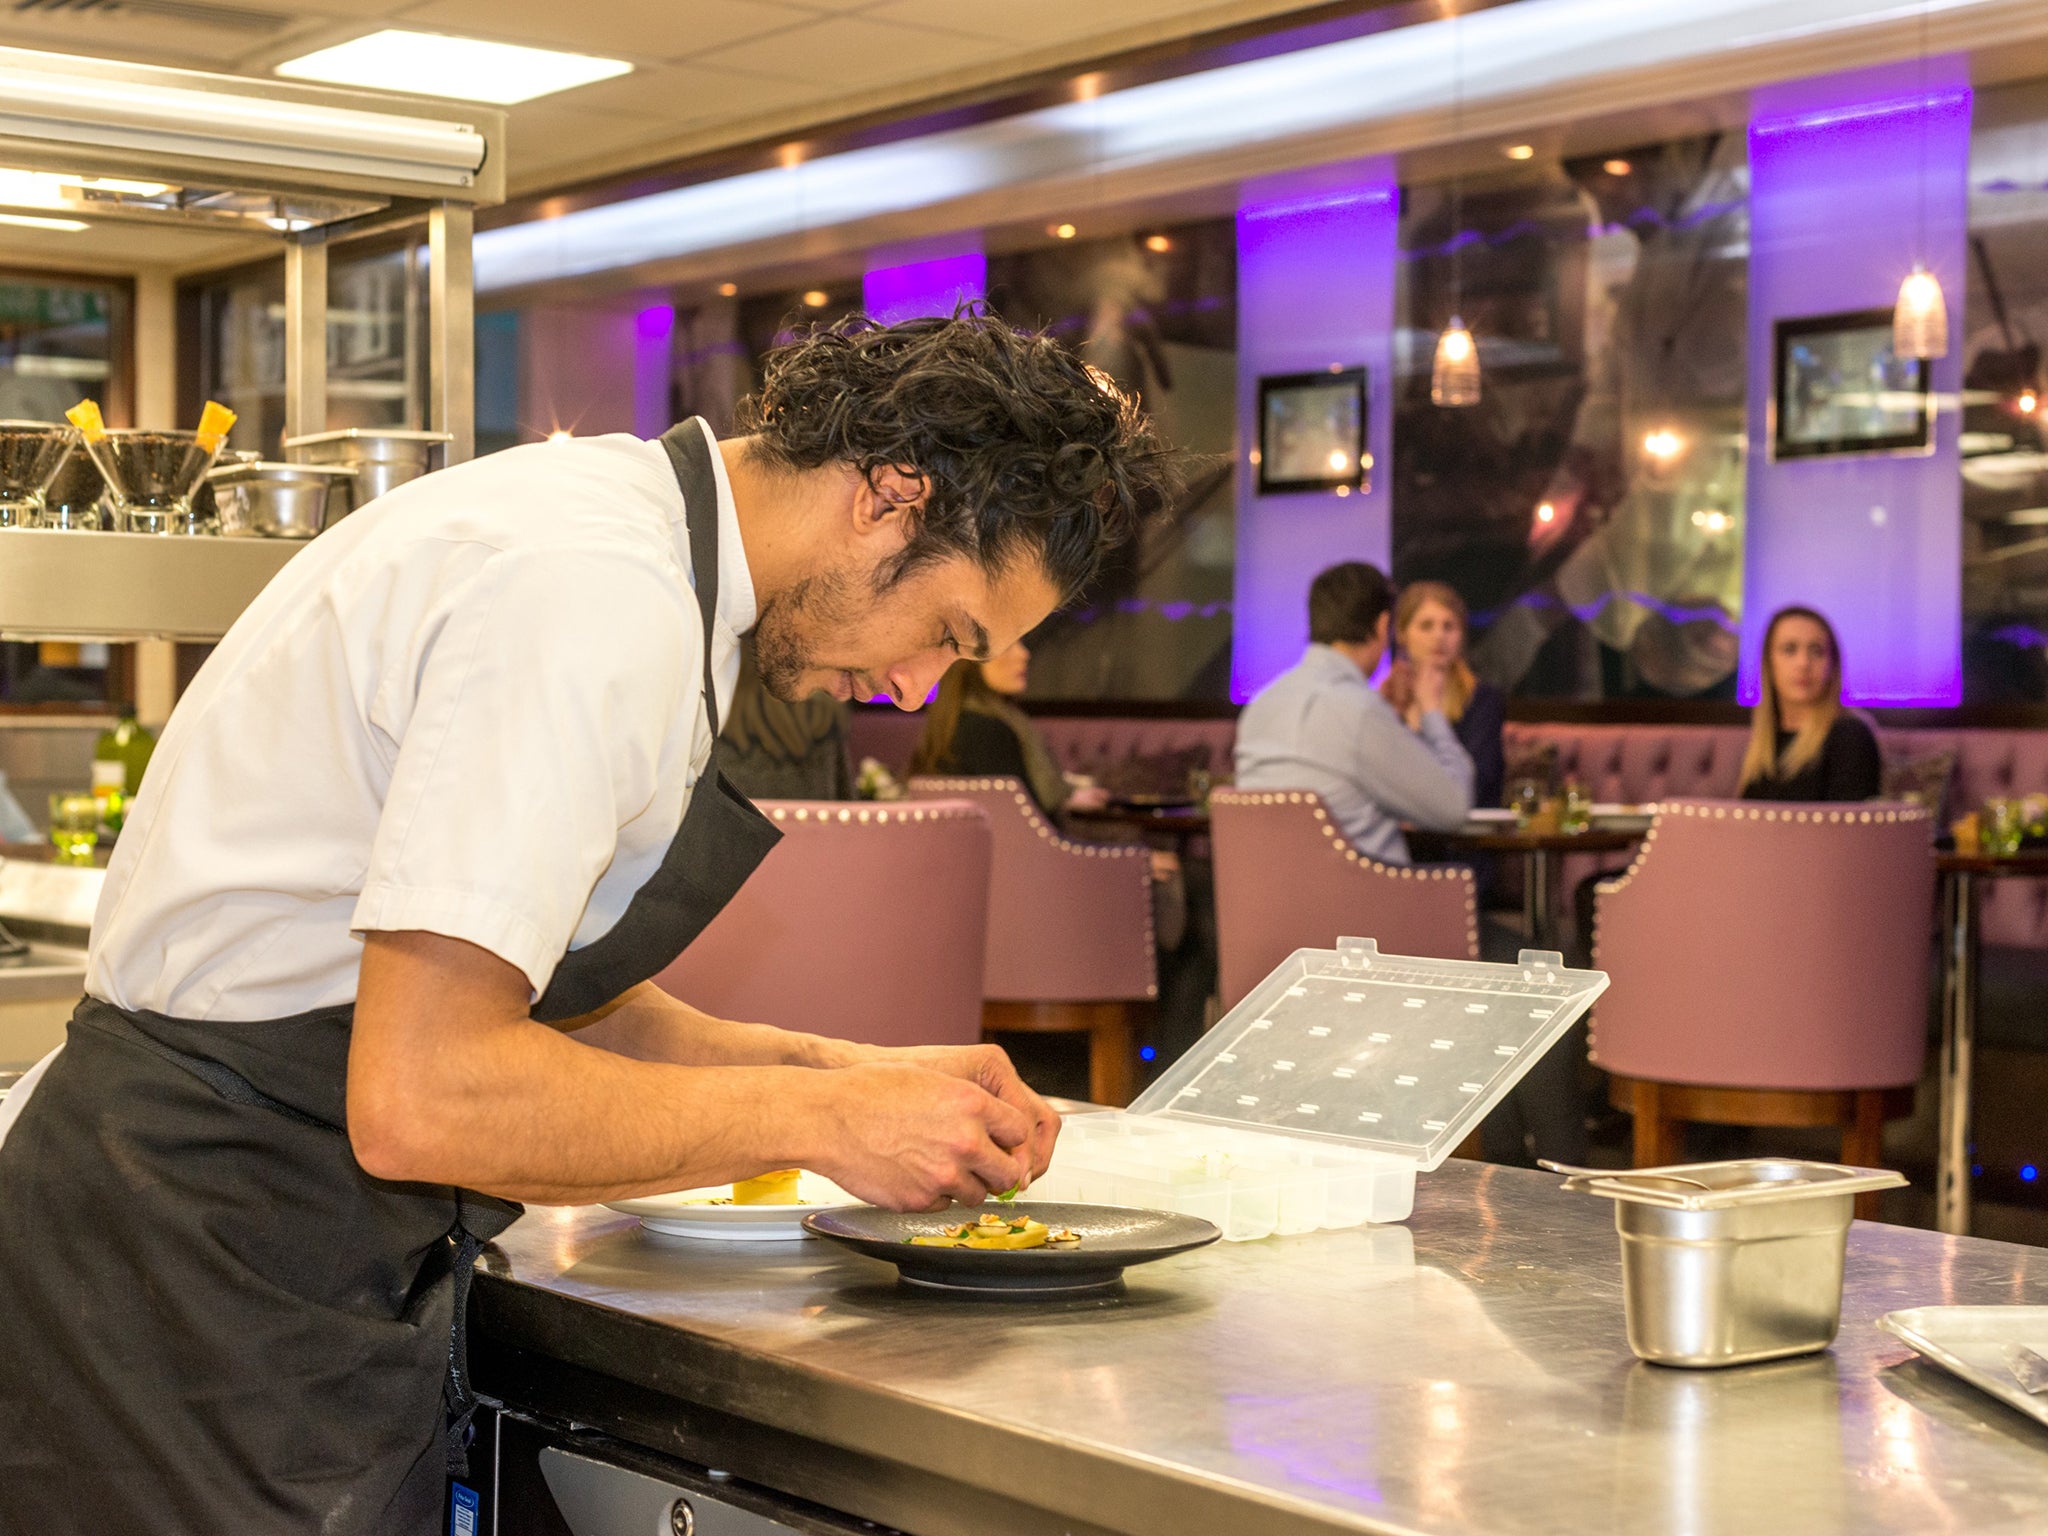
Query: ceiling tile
{"type": "Point", "coordinates": [688, 93]}
{"type": "Point", "coordinates": [1046, 22]}
{"type": "Point", "coordinates": [851, 53]}
{"type": "Point", "coordinates": [628, 29]}
{"type": "Point", "coordinates": [544, 137]}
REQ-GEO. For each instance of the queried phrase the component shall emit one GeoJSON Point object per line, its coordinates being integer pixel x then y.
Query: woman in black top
{"type": "Point", "coordinates": [1802, 744]}
{"type": "Point", "coordinates": [1429, 628]}
{"type": "Point", "coordinates": [973, 727]}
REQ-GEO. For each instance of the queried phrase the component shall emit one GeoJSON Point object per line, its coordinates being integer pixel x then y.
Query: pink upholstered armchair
{"type": "Point", "coordinates": [1769, 967]}
{"type": "Point", "coordinates": [865, 922]}
{"type": "Point", "coordinates": [1287, 879]}
{"type": "Point", "coordinates": [1069, 930]}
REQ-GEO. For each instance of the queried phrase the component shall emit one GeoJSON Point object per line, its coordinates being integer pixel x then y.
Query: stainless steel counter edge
{"type": "Point", "coordinates": [961, 1456]}
{"type": "Point", "coordinates": [1465, 1374]}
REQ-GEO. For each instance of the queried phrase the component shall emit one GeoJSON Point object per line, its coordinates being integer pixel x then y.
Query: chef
{"type": "Point", "coordinates": [374, 954]}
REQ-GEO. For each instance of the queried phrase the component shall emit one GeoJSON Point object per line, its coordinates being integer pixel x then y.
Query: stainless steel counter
{"type": "Point", "coordinates": [1464, 1373]}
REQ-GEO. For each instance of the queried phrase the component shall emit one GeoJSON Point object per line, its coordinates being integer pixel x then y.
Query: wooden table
{"type": "Point", "coordinates": [1961, 875]}
{"type": "Point", "coordinates": [1536, 850]}
{"type": "Point", "coordinates": [1179, 821]}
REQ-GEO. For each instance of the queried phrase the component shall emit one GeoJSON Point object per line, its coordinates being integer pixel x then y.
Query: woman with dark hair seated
{"type": "Point", "coordinates": [1802, 744]}
{"type": "Point", "coordinates": [972, 727]}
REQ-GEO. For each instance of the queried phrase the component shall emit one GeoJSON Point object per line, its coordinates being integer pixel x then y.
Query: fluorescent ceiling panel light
{"type": "Point", "coordinates": [30, 221]}
{"type": "Point", "coordinates": [43, 189]}
{"type": "Point", "coordinates": [54, 99]}
{"type": "Point", "coordinates": [1534, 47]}
{"type": "Point", "coordinates": [464, 68]}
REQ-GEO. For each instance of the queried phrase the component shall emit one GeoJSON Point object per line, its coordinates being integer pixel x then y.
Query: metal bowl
{"type": "Point", "coordinates": [383, 458]}
{"type": "Point", "coordinates": [277, 501]}
{"type": "Point", "coordinates": [151, 476]}
{"type": "Point", "coordinates": [31, 453]}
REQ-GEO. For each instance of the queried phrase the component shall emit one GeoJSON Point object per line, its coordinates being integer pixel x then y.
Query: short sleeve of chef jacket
{"type": "Point", "coordinates": [541, 709]}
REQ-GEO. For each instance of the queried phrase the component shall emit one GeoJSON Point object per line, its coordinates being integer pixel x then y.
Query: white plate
{"type": "Point", "coordinates": [1971, 1342]}
{"type": "Point", "coordinates": [1491, 813]}
{"type": "Point", "coordinates": [689, 1213]}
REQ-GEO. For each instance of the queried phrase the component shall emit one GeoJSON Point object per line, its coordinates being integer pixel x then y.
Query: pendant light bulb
{"type": "Point", "coordinates": [1920, 318]}
{"type": "Point", "coordinates": [1454, 380]}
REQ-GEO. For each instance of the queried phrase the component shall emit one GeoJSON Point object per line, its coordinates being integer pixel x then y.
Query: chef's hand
{"type": "Point", "coordinates": [988, 1067]}
{"type": "Point", "coordinates": [910, 1139]}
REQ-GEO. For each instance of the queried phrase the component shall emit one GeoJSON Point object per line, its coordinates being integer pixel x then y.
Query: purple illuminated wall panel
{"type": "Point", "coordinates": [931, 287]}
{"type": "Point", "coordinates": [1874, 542]}
{"type": "Point", "coordinates": [654, 329]}
{"type": "Point", "coordinates": [1315, 263]}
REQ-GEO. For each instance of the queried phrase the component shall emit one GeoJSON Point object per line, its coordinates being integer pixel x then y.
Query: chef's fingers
{"type": "Point", "coordinates": [1000, 1078]}
{"type": "Point", "coordinates": [1009, 1126]}
{"type": "Point", "coordinates": [987, 1170]}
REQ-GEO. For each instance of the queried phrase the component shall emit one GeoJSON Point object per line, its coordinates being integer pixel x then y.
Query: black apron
{"type": "Point", "coordinates": [212, 1320]}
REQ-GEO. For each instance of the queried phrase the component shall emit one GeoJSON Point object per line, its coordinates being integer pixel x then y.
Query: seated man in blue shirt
{"type": "Point", "coordinates": [1320, 725]}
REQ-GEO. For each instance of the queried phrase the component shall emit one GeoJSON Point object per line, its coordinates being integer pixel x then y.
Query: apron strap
{"type": "Point", "coordinates": [690, 454]}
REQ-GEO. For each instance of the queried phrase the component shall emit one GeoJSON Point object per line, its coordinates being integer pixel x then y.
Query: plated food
{"type": "Point", "coordinates": [1012, 1251]}
{"type": "Point", "coordinates": [996, 1232]}
{"type": "Point", "coordinates": [770, 1208]}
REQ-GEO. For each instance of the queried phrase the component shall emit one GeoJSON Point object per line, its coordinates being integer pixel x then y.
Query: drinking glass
{"type": "Point", "coordinates": [1577, 813]}
{"type": "Point", "coordinates": [2004, 826]}
{"type": "Point", "coordinates": [1525, 799]}
{"type": "Point", "coordinates": [74, 826]}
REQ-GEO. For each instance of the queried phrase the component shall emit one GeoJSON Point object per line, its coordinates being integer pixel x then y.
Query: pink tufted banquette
{"type": "Point", "coordinates": [1629, 763]}
{"type": "Point", "coordinates": [1640, 763]}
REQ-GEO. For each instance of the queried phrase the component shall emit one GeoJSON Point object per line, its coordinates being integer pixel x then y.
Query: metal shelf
{"type": "Point", "coordinates": [62, 585]}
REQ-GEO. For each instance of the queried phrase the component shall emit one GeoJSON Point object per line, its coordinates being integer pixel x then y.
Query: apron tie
{"type": "Point", "coordinates": [456, 1390]}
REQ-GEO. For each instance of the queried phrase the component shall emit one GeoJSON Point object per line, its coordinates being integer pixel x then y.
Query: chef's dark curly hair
{"type": "Point", "coordinates": [1025, 448]}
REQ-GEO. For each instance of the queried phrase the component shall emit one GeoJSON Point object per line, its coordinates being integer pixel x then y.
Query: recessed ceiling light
{"type": "Point", "coordinates": [28, 221]}
{"type": "Point", "coordinates": [465, 68]}
{"type": "Point", "coordinates": [728, 290]}
{"type": "Point", "coordinates": [1617, 167]}
{"type": "Point", "coordinates": [817, 298]}
{"type": "Point", "coordinates": [1520, 151]}
{"type": "Point", "coordinates": [1061, 231]}
{"type": "Point", "coordinates": [1158, 243]}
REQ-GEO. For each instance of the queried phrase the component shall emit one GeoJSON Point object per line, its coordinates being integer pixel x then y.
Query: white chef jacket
{"type": "Point", "coordinates": [473, 708]}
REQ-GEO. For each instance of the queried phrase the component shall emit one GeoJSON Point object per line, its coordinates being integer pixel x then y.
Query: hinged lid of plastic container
{"type": "Point", "coordinates": [1398, 1053]}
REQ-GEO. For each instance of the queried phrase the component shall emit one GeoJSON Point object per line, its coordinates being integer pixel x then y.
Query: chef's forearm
{"type": "Point", "coordinates": [449, 1082]}
{"type": "Point", "coordinates": [648, 1024]}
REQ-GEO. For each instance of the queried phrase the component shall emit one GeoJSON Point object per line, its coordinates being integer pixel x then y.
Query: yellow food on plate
{"type": "Point", "coordinates": [992, 1231]}
{"type": "Point", "coordinates": [778, 1188]}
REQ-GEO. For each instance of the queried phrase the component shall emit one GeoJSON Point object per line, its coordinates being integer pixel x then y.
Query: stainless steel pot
{"type": "Point", "coordinates": [1726, 1263]}
{"type": "Point", "coordinates": [382, 458]}
{"type": "Point", "coordinates": [277, 501]}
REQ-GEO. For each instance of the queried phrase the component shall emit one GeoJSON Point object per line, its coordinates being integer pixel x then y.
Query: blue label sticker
{"type": "Point", "coordinates": [462, 1504]}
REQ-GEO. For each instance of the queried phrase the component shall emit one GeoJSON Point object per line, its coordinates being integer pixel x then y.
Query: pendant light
{"type": "Point", "coordinates": [1920, 317]}
{"type": "Point", "coordinates": [1454, 381]}
{"type": "Point", "coordinates": [1454, 378]}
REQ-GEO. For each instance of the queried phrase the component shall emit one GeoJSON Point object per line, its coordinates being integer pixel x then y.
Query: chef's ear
{"type": "Point", "coordinates": [893, 490]}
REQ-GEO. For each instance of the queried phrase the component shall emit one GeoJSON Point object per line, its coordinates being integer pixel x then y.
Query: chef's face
{"type": "Point", "coordinates": [854, 629]}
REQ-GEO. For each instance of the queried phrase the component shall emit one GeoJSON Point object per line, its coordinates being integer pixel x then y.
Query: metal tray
{"type": "Point", "coordinates": [1971, 1342]}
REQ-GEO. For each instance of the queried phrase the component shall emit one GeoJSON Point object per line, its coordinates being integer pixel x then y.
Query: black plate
{"type": "Point", "coordinates": [1112, 1238]}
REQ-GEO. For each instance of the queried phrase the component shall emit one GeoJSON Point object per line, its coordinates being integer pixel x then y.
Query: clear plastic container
{"type": "Point", "coordinates": [1314, 1103]}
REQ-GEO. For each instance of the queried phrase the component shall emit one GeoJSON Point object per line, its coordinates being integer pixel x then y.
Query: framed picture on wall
{"type": "Point", "coordinates": [1840, 389]}
{"type": "Point", "coordinates": [1312, 432]}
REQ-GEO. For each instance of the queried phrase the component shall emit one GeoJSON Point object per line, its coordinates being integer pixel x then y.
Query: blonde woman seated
{"type": "Point", "coordinates": [1803, 745]}
{"type": "Point", "coordinates": [1429, 630]}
